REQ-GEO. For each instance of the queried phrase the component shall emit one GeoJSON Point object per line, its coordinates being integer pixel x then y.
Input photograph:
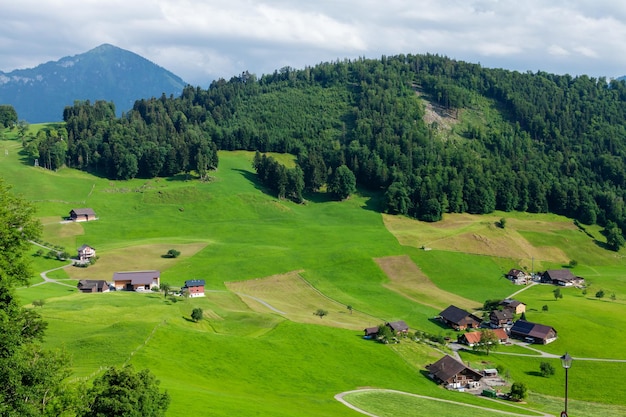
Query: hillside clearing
{"type": "Point", "coordinates": [302, 301]}
{"type": "Point", "coordinates": [408, 280]}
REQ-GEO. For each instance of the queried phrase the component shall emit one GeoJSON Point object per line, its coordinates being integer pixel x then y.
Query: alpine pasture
{"type": "Point", "coordinates": [254, 251]}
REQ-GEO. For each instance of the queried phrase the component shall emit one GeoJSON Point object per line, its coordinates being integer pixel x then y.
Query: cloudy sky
{"type": "Point", "coordinates": [201, 40]}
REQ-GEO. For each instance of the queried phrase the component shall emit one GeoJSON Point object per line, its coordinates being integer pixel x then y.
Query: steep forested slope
{"type": "Point", "coordinates": [558, 143]}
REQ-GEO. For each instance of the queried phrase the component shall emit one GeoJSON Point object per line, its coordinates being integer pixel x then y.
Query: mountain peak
{"type": "Point", "coordinates": [105, 72]}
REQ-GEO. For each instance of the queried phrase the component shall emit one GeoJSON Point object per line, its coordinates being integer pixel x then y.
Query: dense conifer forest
{"type": "Point", "coordinates": [546, 143]}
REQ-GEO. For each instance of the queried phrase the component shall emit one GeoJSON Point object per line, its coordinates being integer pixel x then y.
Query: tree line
{"type": "Point", "coordinates": [547, 143]}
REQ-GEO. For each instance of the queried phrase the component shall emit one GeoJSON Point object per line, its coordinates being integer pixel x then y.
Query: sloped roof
{"type": "Point", "coordinates": [474, 337]}
{"type": "Point", "coordinates": [92, 283]}
{"type": "Point", "coordinates": [370, 330]}
{"type": "Point", "coordinates": [527, 328]}
{"type": "Point", "coordinates": [448, 367]}
{"type": "Point", "coordinates": [83, 212]}
{"type": "Point", "coordinates": [560, 275]}
{"type": "Point", "coordinates": [398, 326]}
{"type": "Point", "coordinates": [82, 248]}
{"type": "Point", "coordinates": [507, 302]}
{"type": "Point", "coordinates": [457, 315]}
{"type": "Point", "coordinates": [501, 315]}
{"type": "Point", "coordinates": [137, 277]}
{"type": "Point", "coordinates": [194, 283]}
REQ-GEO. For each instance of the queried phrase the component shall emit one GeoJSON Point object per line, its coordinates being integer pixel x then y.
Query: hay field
{"type": "Point", "coordinates": [479, 235]}
{"type": "Point", "coordinates": [295, 299]}
{"type": "Point", "coordinates": [408, 280]}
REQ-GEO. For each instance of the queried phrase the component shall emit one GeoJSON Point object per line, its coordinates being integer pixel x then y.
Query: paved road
{"type": "Point", "coordinates": [340, 397]}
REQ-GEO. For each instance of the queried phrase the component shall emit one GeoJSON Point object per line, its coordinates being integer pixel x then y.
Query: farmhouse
{"type": "Point", "coordinates": [92, 285]}
{"type": "Point", "coordinates": [459, 319]}
{"type": "Point", "coordinates": [517, 276]}
{"type": "Point", "coordinates": [194, 288]}
{"type": "Point", "coordinates": [370, 332]}
{"type": "Point", "coordinates": [533, 332]}
{"type": "Point", "coordinates": [136, 280]}
{"type": "Point", "coordinates": [502, 318]}
{"type": "Point", "coordinates": [85, 253]}
{"type": "Point", "coordinates": [398, 327]}
{"type": "Point", "coordinates": [562, 277]}
{"type": "Point", "coordinates": [82, 215]}
{"type": "Point", "coordinates": [517, 307]}
{"type": "Point", "coordinates": [452, 373]}
{"type": "Point", "coordinates": [472, 338]}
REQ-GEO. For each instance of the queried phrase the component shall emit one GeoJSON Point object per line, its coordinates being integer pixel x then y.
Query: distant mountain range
{"type": "Point", "coordinates": [105, 73]}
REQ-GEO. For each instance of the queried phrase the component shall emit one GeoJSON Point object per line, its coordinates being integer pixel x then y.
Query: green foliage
{"type": "Point", "coordinates": [342, 182]}
{"type": "Point", "coordinates": [546, 369]}
{"type": "Point", "coordinates": [502, 223]}
{"type": "Point", "coordinates": [39, 303]}
{"type": "Point", "coordinates": [600, 294]}
{"type": "Point", "coordinates": [490, 305]}
{"type": "Point", "coordinates": [8, 115]}
{"type": "Point", "coordinates": [519, 391]}
{"type": "Point", "coordinates": [488, 341]}
{"type": "Point", "coordinates": [573, 263]}
{"type": "Point", "coordinates": [172, 253]}
{"type": "Point", "coordinates": [125, 392]}
{"type": "Point", "coordinates": [384, 334]}
{"type": "Point", "coordinates": [196, 314]}
{"type": "Point", "coordinates": [321, 313]}
{"type": "Point", "coordinates": [545, 307]}
{"type": "Point", "coordinates": [614, 236]}
{"type": "Point", "coordinates": [557, 293]}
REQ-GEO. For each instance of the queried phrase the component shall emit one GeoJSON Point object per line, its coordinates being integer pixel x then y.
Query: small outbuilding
{"type": "Point", "coordinates": [194, 288]}
{"type": "Point", "coordinates": [398, 327]}
{"type": "Point", "coordinates": [82, 215]}
{"type": "Point", "coordinates": [93, 285]}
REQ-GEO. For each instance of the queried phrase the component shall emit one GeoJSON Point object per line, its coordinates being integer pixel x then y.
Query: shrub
{"type": "Point", "coordinates": [600, 294]}
{"type": "Point", "coordinates": [196, 314]}
{"type": "Point", "coordinates": [546, 369]}
{"type": "Point", "coordinates": [172, 253]}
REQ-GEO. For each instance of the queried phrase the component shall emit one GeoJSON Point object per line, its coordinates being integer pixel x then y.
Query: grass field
{"type": "Point", "coordinates": [254, 251]}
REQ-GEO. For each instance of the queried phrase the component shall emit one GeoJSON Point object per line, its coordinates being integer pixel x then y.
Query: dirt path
{"type": "Point", "coordinates": [340, 397]}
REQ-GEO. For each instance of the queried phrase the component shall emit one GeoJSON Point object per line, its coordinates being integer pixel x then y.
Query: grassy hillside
{"type": "Point", "coordinates": [246, 359]}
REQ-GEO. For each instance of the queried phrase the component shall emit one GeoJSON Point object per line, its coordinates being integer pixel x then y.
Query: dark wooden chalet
{"type": "Point", "coordinates": [501, 318]}
{"type": "Point", "coordinates": [398, 327]}
{"type": "Point", "coordinates": [562, 277]}
{"type": "Point", "coordinates": [518, 276]}
{"type": "Point", "coordinates": [533, 332]}
{"type": "Point", "coordinates": [370, 332]}
{"type": "Point", "coordinates": [92, 285]}
{"type": "Point", "coordinates": [459, 319]}
{"type": "Point", "coordinates": [82, 215]}
{"type": "Point", "coordinates": [452, 373]}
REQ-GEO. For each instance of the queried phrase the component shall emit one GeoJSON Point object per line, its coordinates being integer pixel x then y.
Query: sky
{"type": "Point", "coordinates": [203, 40]}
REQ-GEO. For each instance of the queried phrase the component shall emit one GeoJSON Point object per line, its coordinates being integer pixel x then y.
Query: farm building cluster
{"type": "Point", "coordinates": [560, 277]}
{"type": "Point", "coordinates": [126, 280]}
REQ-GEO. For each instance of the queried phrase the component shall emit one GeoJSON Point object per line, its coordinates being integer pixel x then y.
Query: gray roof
{"type": "Point", "coordinates": [91, 283]}
{"type": "Point", "coordinates": [560, 275]}
{"type": "Point", "coordinates": [457, 315]}
{"type": "Point", "coordinates": [83, 212]}
{"type": "Point", "coordinates": [398, 326]}
{"type": "Point", "coordinates": [84, 247]}
{"type": "Point", "coordinates": [528, 329]}
{"type": "Point", "coordinates": [194, 283]}
{"type": "Point", "coordinates": [447, 367]}
{"type": "Point", "coordinates": [137, 277]}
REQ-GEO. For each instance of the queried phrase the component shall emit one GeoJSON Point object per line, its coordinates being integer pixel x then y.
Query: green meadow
{"type": "Point", "coordinates": [246, 359]}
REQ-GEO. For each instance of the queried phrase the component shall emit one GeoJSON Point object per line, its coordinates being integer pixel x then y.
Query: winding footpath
{"type": "Point", "coordinates": [340, 397]}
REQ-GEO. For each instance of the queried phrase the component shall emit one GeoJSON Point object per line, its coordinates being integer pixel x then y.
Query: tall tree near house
{"type": "Point", "coordinates": [342, 182]}
{"type": "Point", "coordinates": [488, 341]}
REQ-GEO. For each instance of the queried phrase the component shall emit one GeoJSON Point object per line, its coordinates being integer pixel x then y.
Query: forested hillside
{"type": "Point", "coordinates": [550, 143]}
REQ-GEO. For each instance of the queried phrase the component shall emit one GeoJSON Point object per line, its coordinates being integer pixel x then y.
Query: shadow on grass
{"type": "Point", "coordinates": [188, 319]}
{"type": "Point", "coordinates": [534, 373]}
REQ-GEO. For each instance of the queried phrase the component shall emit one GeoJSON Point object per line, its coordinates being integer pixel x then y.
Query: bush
{"type": "Point", "coordinates": [196, 314]}
{"type": "Point", "coordinates": [546, 369]}
{"type": "Point", "coordinates": [600, 294]}
{"type": "Point", "coordinates": [172, 253]}
{"type": "Point", "coordinates": [519, 391]}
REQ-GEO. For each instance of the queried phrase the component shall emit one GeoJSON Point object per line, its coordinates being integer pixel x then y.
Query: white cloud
{"type": "Point", "coordinates": [201, 40]}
